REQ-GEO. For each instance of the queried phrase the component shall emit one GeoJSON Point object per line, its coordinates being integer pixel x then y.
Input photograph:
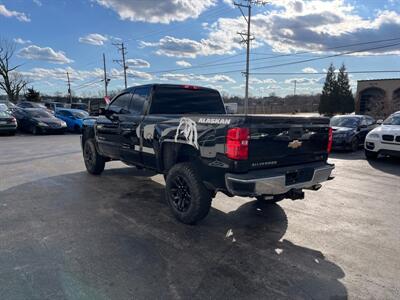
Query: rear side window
{"type": "Point", "coordinates": [181, 100]}
{"type": "Point", "coordinates": [140, 97]}
{"type": "Point", "coordinates": [121, 103]}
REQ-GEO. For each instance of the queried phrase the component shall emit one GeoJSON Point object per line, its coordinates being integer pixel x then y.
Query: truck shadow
{"type": "Point", "coordinates": [113, 237]}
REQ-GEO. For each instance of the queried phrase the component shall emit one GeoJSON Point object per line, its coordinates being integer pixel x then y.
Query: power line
{"type": "Point", "coordinates": [323, 73]}
{"type": "Point", "coordinates": [306, 60]}
{"type": "Point", "coordinates": [89, 84]}
{"type": "Point", "coordinates": [212, 64]}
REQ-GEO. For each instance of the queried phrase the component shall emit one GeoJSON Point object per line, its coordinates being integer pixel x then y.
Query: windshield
{"type": "Point", "coordinates": [350, 122]}
{"type": "Point", "coordinates": [3, 107]}
{"type": "Point", "coordinates": [39, 114]}
{"type": "Point", "coordinates": [392, 120]}
{"type": "Point", "coordinates": [80, 114]}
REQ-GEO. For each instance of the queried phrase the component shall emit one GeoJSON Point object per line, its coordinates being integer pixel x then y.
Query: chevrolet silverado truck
{"type": "Point", "coordinates": [184, 133]}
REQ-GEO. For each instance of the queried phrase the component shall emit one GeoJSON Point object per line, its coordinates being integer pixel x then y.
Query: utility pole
{"type": "Point", "coordinates": [121, 47]}
{"type": "Point", "coordinates": [106, 80]}
{"type": "Point", "coordinates": [247, 38]}
{"type": "Point", "coordinates": [69, 89]}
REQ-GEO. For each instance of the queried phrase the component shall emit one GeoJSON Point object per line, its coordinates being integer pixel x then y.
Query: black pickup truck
{"type": "Point", "coordinates": [184, 133]}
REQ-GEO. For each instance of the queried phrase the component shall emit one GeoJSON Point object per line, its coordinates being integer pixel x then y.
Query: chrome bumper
{"type": "Point", "coordinates": [274, 181]}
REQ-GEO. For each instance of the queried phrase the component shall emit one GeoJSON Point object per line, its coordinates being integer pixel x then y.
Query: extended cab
{"type": "Point", "coordinates": [184, 133]}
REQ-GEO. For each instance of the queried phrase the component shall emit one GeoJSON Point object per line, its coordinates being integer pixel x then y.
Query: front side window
{"type": "Point", "coordinates": [121, 103]}
{"type": "Point", "coordinates": [140, 96]}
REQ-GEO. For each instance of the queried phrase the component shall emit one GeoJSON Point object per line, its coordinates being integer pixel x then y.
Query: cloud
{"type": "Point", "coordinates": [131, 74]}
{"type": "Point", "coordinates": [318, 25]}
{"type": "Point", "coordinates": [137, 63]}
{"type": "Point", "coordinates": [194, 77]}
{"type": "Point", "coordinates": [22, 41]}
{"type": "Point", "coordinates": [38, 2]}
{"type": "Point", "coordinates": [46, 74]}
{"type": "Point", "coordinates": [95, 39]}
{"type": "Point", "coordinates": [255, 80]}
{"type": "Point", "coordinates": [165, 11]}
{"type": "Point", "coordinates": [302, 81]}
{"type": "Point", "coordinates": [34, 52]}
{"type": "Point", "coordinates": [183, 63]}
{"type": "Point", "coordinates": [309, 70]}
{"type": "Point", "coordinates": [13, 14]}
{"type": "Point", "coordinates": [291, 26]}
{"type": "Point", "coordinates": [183, 47]}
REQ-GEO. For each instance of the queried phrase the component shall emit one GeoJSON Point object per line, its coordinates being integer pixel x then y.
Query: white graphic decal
{"type": "Point", "coordinates": [148, 132]}
{"type": "Point", "coordinates": [188, 128]}
{"type": "Point", "coordinates": [214, 121]}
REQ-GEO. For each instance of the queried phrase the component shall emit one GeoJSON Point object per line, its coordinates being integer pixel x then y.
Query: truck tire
{"type": "Point", "coordinates": [187, 197]}
{"type": "Point", "coordinates": [94, 162]}
{"type": "Point", "coordinates": [371, 154]}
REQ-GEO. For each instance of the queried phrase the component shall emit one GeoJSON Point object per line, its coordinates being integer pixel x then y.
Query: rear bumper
{"type": "Point", "coordinates": [279, 180]}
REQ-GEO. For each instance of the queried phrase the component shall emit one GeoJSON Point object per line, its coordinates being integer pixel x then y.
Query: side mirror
{"type": "Point", "coordinates": [379, 122]}
{"type": "Point", "coordinates": [102, 111]}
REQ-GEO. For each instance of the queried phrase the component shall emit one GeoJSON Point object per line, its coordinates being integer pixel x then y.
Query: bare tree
{"type": "Point", "coordinates": [11, 81]}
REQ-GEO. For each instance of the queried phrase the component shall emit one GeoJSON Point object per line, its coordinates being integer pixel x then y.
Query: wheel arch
{"type": "Point", "coordinates": [172, 153]}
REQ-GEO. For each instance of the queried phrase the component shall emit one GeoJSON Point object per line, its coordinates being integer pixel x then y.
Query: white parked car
{"type": "Point", "coordinates": [384, 139]}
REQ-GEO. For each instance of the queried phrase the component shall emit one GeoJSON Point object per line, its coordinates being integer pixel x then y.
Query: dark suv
{"type": "Point", "coordinates": [349, 131]}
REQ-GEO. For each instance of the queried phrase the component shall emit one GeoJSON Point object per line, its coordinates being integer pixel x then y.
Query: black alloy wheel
{"type": "Point", "coordinates": [186, 194]}
{"type": "Point", "coordinates": [94, 162]}
{"type": "Point", "coordinates": [180, 194]}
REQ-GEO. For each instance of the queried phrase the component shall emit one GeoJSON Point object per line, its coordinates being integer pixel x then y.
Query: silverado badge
{"type": "Point", "coordinates": [295, 144]}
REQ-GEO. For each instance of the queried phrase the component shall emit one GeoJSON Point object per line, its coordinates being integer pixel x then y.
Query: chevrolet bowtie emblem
{"type": "Point", "coordinates": [295, 144]}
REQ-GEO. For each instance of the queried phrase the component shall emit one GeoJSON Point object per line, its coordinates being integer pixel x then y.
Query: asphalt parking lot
{"type": "Point", "coordinates": [67, 235]}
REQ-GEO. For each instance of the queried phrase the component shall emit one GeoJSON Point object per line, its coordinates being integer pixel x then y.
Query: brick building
{"type": "Point", "coordinates": [378, 98]}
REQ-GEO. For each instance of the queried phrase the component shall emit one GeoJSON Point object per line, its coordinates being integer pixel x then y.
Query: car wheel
{"type": "Point", "coordinates": [188, 198]}
{"type": "Point", "coordinates": [354, 145]}
{"type": "Point", "coordinates": [34, 130]}
{"type": "Point", "coordinates": [371, 154]}
{"type": "Point", "coordinates": [77, 129]}
{"type": "Point", "coordinates": [94, 162]}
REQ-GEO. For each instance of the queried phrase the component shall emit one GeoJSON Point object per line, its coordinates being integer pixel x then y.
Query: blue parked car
{"type": "Point", "coordinates": [73, 118]}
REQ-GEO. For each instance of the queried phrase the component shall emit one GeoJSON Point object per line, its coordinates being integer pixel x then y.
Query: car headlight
{"type": "Point", "coordinates": [41, 124]}
{"type": "Point", "coordinates": [373, 136]}
{"type": "Point", "coordinates": [339, 135]}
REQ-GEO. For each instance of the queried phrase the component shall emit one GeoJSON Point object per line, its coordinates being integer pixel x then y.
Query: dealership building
{"type": "Point", "coordinates": [378, 98]}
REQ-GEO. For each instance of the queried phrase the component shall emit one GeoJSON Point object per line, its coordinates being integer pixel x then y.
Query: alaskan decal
{"type": "Point", "coordinates": [214, 121]}
{"type": "Point", "coordinates": [187, 127]}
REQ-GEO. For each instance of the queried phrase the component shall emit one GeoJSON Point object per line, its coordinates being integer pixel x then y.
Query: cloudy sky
{"type": "Point", "coordinates": [193, 41]}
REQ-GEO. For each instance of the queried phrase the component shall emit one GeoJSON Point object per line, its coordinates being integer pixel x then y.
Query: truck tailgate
{"type": "Point", "coordinates": [280, 141]}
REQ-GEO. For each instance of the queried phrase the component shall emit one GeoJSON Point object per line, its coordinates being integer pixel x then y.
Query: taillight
{"type": "Point", "coordinates": [330, 140]}
{"type": "Point", "coordinates": [237, 143]}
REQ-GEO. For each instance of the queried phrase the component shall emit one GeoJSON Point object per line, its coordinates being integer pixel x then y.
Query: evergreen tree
{"type": "Point", "coordinates": [344, 93]}
{"type": "Point", "coordinates": [327, 100]}
{"type": "Point", "coordinates": [32, 95]}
